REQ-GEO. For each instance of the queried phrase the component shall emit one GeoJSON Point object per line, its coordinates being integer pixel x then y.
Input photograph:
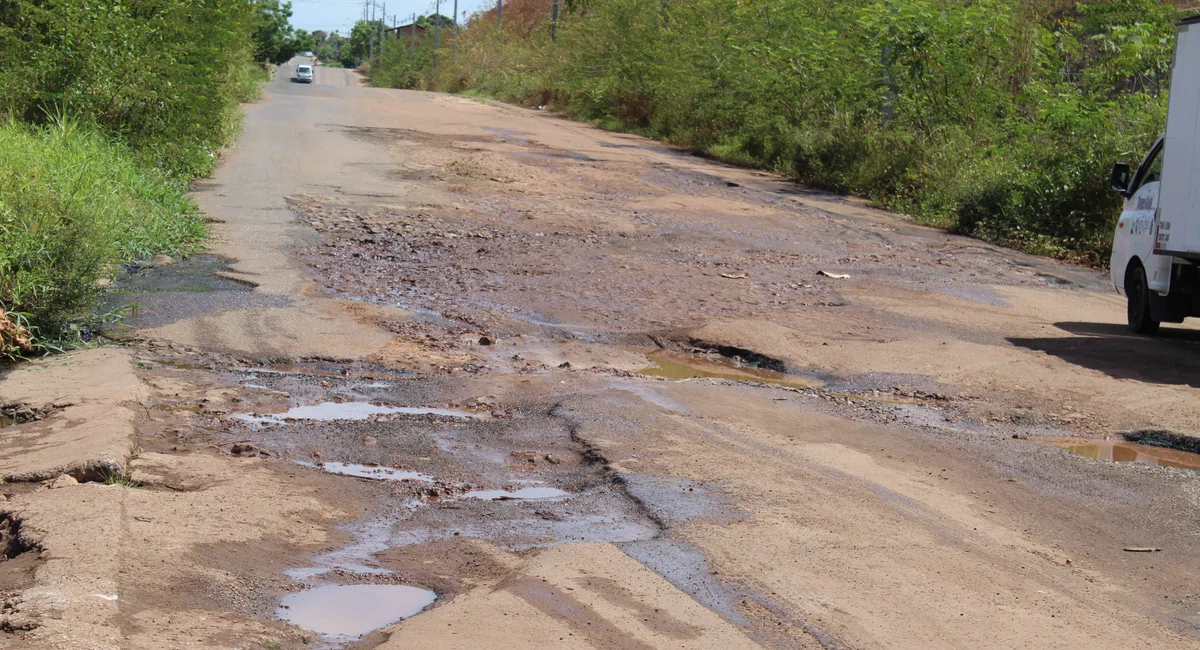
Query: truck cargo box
{"type": "Point", "coordinates": [1179, 198]}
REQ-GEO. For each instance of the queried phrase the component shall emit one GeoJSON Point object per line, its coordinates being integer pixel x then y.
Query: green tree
{"type": "Point", "coordinates": [434, 19]}
{"type": "Point", "coordinates": [273, 37]}
{"type": "Point", "coordinates": [358, 46]}
{"type": "Point", "coordinates": [302, 41]}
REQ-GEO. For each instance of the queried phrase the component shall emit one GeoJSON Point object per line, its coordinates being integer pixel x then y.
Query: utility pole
{"type": "Point", "coordinates": [500, 13]}
{"type": "Point", "coordinates": [554, 21]}
{"type": "Point", "coordinates": [454, 36]}
{"type": "Point", "coordinates": [370, 36]}
{"type": "Point", "coordinates": [382, 33]}
{"type": "Point", "coordinates": [437, 23]}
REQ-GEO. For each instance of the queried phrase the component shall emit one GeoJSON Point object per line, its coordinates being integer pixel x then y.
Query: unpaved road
{"type": "Point", "coordinates": [474, 297]}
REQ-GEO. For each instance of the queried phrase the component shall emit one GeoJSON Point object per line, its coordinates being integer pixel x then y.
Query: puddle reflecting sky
{"type": "Point", "coordinates": [344, 613]}
{"type": "Point", "coordinates": [331, 411]}
{"type": "Point", "coordinates": [370, 471]}
{"type": "Point", "coordinates": [522, 494]}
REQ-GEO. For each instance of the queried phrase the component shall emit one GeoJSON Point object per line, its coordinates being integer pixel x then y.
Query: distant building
{"type": "Point", "coordinates": [406, 31]}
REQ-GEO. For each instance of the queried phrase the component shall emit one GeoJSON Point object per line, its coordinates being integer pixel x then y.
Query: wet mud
{"type": "Point", "coordinates": [144, 295]}
{"type": "Point", "coordinates": [518, 482]}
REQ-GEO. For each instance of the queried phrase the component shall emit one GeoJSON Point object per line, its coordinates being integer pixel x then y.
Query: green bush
{"type": "Point", "coordinates": [995, 118]}
{"type": "Point", "coordinates": [108, 110]}
{"type": "Point", "coordinates": [72, 205]}
{"type": "Point", "coordinates": [163, 76]}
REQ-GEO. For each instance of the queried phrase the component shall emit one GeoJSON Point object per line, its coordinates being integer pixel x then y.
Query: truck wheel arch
{"type": "Point", "coordinates": [1134, 263]}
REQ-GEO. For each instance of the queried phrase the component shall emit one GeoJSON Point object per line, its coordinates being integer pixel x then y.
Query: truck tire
{"type": "Point", "coordinates": [1138, 292]}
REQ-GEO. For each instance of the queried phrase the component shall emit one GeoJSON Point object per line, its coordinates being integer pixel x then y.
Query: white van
{"type": "Point", "coordinates": [1156, 247]}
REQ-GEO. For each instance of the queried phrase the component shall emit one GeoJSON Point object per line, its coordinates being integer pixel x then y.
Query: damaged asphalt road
{"type": "Point", "coordinates": [463, 375]}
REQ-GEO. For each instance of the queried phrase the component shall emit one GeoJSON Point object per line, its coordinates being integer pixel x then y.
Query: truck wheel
{"type": "Point", "coordinates": [1138, 292]}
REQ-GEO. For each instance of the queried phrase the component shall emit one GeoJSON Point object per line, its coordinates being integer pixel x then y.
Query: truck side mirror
{"type": "Point", "coordinates": [1120, 178]}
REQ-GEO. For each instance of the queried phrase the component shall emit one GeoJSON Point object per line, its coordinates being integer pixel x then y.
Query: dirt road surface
{"type": "Point", "coordinates": [464, 375]}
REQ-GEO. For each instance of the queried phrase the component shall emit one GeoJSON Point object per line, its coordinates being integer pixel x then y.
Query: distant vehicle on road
{"type": "Point", "coordinates": [306, 53]}
{"type": "Point", "coordinates": [1156, 248]}
{"type": "Point", "coordinates": [304, 74]}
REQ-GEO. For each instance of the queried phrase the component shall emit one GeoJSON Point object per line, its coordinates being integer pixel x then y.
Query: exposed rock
{"type": "Point", "coordinates": [247, 449]}
{"type": "Point", "coordinates": [63, 480]}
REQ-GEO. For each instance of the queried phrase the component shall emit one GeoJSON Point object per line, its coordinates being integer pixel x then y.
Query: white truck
{"type": "Point", "coordinates": [1156, 248]}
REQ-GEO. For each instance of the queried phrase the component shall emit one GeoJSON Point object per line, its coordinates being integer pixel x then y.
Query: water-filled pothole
{"type": "Point", "coordinates": [1121, 451]}
{"type": "Point", "coordinates": [529, 493]}
{"type": "Point", "coordinates": [331, 411]}
{"type": "Point", "coordinates": [344, 613]}
{"type": "Point", "coordinates": [677, 365]}
{"type": "Point", "coordinates": [378, 472]}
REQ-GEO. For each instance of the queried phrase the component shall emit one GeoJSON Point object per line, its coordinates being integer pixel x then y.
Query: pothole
{"type": "Point", "coordinates": [343, 613]}
{"type": "Point", "coordinates": [1124, 451]}
{"type": "Point", "coordinates": [1161, 438]}
{"type": "Point", "coordinates": [371, 471]}
{"type": "Point", "coordinates": [679, 366]}
{"type": "Point", "coordinates": [523, 494]}
{"type": "Point", "coordinates": [339, 411]}
{"type": "Point", "coordinates": [744, 357]}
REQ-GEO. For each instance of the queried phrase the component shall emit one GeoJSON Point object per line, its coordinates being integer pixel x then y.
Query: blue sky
{"type": "Point", "coordinates": [341, 15]}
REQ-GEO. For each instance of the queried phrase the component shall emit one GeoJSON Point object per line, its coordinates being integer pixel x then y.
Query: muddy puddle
{"type": "Point", "coordinates": [343, 411]}
{"type": "Point", "coordinates": [523, 494]}
{"type": "Point", "coordinates": [377, 472]}
{"type": "Point", "coordinates": [679, 366]}
{"type": "Point", "coordinates": [1122, 451]}
{"type": "Point", "coordinates": [345, 613]}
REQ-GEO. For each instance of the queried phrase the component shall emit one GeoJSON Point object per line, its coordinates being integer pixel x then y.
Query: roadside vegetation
{"type": "Point", "coordinates": [107, 112]}
{"type": "Point", "coordinates": [998, 119]}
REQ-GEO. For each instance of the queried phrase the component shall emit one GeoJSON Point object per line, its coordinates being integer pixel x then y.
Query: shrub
{"type": "Point", "coordinates": [995, 118]}
{"type": "Point", "coordinates": [72, 205]}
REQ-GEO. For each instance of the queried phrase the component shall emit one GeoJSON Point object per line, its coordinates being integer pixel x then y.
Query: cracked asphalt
{"type": "Point", "coordinates": [840, 446]}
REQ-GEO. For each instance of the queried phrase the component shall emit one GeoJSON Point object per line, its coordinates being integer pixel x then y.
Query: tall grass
{"type": "Point", "coordinates": [107, 111]}
{"type": "Point", "coordinates": [163, 76]}
{"type": "Point", "coordinates": [994, 118]}
{"type": "Point", "coordinates": [73, 204]}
